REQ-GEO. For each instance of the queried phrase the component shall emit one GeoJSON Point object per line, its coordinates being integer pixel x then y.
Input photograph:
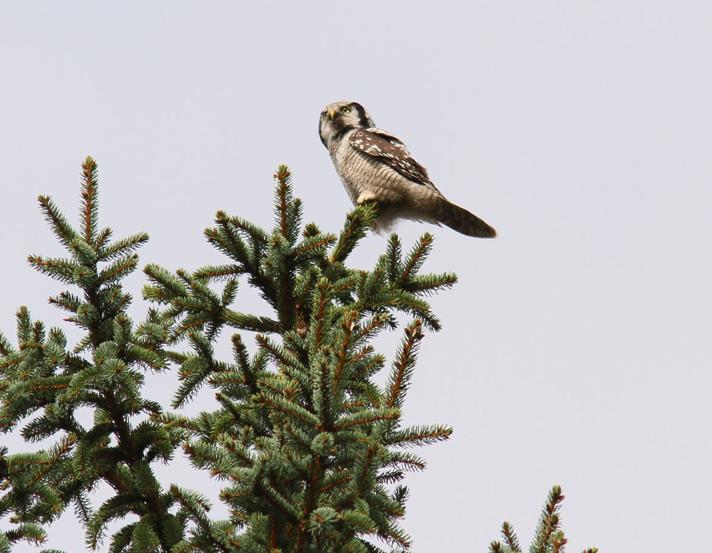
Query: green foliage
{"type": "Point", "coordinates": [548, 536]}
{"type": "Point", "coordinates": [310, 450]}
{"type": "Point", "coordinates": [43, 383]}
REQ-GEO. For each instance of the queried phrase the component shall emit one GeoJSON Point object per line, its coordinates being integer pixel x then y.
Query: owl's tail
{"type": "Point", "coordinates": [463, 221]}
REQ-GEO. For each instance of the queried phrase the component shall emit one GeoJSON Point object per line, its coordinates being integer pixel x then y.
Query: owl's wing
{"type": "Point", "coordinates": [393, 139]}
{"type": "Point", "coordinates": [389, 150]}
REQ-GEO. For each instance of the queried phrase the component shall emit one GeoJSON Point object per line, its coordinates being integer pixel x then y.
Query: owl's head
{"type": "Point", "coordinates": [339, 118]}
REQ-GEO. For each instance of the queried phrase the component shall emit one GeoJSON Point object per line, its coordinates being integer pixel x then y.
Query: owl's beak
{"type": "Point", "coordinates": [331, 113]}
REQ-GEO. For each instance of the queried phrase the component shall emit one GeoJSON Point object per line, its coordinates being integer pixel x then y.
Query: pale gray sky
{"type": "Point", "coordinates": [576, 347]}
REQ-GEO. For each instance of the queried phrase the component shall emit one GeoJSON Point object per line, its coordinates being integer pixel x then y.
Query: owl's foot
{"type": "Point", "coordinates": [367, 197]}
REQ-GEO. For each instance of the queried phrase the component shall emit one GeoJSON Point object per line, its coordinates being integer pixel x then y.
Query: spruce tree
{"type": "Point", "coordinates": [310, 451]}
{"type": "Point", "coordinates": [45, 381]}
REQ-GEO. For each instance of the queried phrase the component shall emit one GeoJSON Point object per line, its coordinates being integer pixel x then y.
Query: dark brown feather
{"type": "Point", "coordinates": [389, 151]}
{"type": "Point", "coordinates": [462, 221]}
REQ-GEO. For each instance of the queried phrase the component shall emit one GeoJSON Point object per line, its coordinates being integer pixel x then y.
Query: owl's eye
{"type": "Point", "coordinates": [345, 109]}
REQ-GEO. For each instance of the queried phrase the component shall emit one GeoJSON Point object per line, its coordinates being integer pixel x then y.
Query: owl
{"type": "Point", "coordinates": [375, 166]}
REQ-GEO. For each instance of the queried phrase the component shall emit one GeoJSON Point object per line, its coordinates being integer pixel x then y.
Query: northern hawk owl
{"type": "Point", "coordinates": [375, 166]}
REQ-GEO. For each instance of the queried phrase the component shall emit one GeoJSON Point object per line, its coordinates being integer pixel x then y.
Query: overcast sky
{"type": "Point", "coordinates": [576, 347]}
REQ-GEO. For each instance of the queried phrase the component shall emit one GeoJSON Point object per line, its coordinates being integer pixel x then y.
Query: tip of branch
{"type": "Point", "coordinates": [427, 238]}
{"type": "Point", "coordinates": [89, 172]}
{"type": "Point", "coordinates": [283, 173]}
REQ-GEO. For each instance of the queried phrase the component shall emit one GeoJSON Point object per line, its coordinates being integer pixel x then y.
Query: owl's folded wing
{"type": "Point", "coordinates": [389, 150]}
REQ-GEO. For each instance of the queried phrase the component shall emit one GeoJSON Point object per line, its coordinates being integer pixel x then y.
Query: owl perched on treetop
{"type": "Point", "coordinates": [375, 166]}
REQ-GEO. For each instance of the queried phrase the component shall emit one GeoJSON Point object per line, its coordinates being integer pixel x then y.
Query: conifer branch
{"type": "Point", "coordinates": [59, 225]}
{"type": "Point", "coordinates": [282, 200]}
{"type": "Point", "coordinates": [253, 323]}
{"type": "Point", "coordinates": [510, 538]}
{"type": "Point", "coordinates": [416, 257]}
{"type": "Point", "coordinates": [357, 224]}
{"type": "Point", "coordinates": [90, 201]}
{"type": "Point", "coordinates": [120, 247]}
{"type": "Point", "coordinates": [403, 367]}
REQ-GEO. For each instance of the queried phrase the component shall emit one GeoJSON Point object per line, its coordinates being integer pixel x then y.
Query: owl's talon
{"type": "Point", "coordinates": [367, 197]}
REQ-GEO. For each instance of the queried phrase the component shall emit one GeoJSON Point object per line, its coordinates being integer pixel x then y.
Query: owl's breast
{"type": "Point", "coordinates": [364, 176]}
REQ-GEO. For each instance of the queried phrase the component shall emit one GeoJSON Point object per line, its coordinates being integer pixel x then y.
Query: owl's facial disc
{"type": "Point", "coordinates": [340, 117]}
